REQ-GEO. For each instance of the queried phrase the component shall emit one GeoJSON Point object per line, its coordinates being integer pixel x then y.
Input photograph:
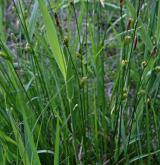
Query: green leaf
{"type": "Point", "coordinates": [32, 151]}
{"type": "Point", "coordinates": [143, 156]}
{"type": "Point", "coordinates": [52, 39]}
{"type": "Point", "coordinates": [2, 36]}
{"type": "Point", "coordinates": [6, 138]}
{"type": "Point", "coordinates": [32, 21]}
{"type": "Point", "coordinates": [56, 156]}
{"type": "Point", "coordinates": [20, 145]}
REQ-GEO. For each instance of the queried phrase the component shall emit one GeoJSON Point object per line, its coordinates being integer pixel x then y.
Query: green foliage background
{"type": "Point", "coordinates": [79, 82]}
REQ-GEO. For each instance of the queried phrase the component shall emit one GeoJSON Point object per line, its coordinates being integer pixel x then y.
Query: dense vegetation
{"type": "Point", "coordinates": [79, 82]}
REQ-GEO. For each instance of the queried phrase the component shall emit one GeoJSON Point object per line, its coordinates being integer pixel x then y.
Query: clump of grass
{"type": "Point", "coordinates": [79, 82]}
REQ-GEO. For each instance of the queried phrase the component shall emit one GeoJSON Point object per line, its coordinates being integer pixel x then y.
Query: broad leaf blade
{"type": "Point", "coordinates": [53, 39]}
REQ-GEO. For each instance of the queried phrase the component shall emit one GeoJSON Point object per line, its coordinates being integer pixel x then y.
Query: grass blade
{"type": "Point", "coordinates": [53, 39]}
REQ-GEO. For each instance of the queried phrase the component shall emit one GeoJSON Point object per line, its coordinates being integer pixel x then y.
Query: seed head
{"type": "Point", "coordinates": [83, 81]}
{"type": "Point", "coordinates": [57, 20]}
{"type": "Point", "coordinates": [143, 64]}
{"type": "Point", "coordinates": [66, 41]}
{"type": "Point", "coordinates": [28, 47]}
{"type": "Point", "coordinates": [124, 63]}
{"type": "Point", "coordinates": [127, 40]}
{"type": "Point", "coordinates": [148, 100]}
{"type": "Point", "coordinates": [154, 51]}
{"type": "Point", "coordinates": [78, 55]}
{"type": "Point", "coordinates": [125, 93]}
{"type": "Point", "coordinates": [157, 69]}
{"type": "Point", "coordinates": [121, 3]}
{"type": "Point", "coordinates": [141, 92]}
{"type": "Point", "coordinates": [130, 23]}
{"type": "Point", "coordinates": [135, 42]}
{"type": "Point", "coordinates": [13, 8]}
{"type": "Point", "coordinates": [13, 37]}
{"type": "Point", "coordinates": [154, 40]}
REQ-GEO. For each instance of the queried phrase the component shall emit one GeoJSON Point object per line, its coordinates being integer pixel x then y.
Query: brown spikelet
{"type": "Point", "coordinates": [57, 20]}
{"type": "Point", "coordinates": [121, 2]}
{"type": "Point", "coordinates": [130, 23]}
{"type": "Point", "coordinates": [154, 51]}
{"type": "Point", "coordinates": [135, 42]}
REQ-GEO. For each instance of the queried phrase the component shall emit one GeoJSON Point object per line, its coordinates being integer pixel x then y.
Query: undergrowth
{"type": "Point", "coordinates": [79, 82]}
